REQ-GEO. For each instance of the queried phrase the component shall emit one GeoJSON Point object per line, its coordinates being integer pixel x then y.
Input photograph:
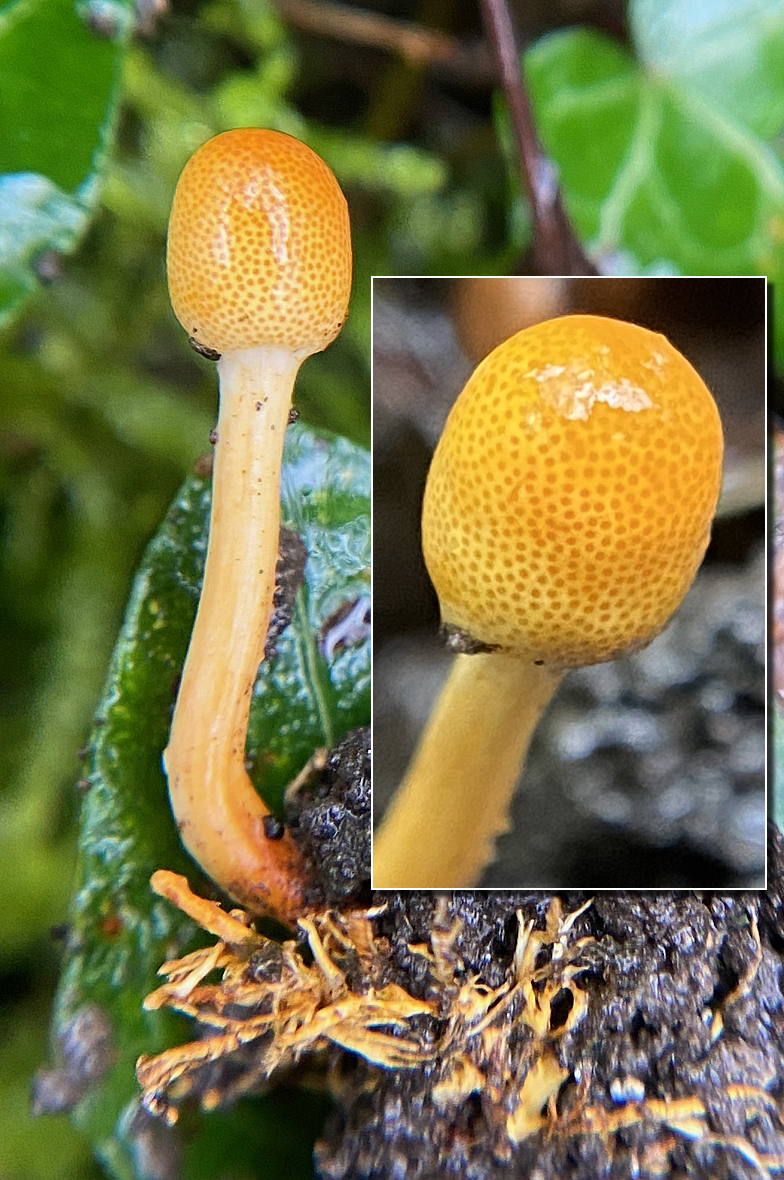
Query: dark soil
{"type": "Point", "coordinates": [669, 1035]}
{"type": "Point", "coordinates": [330, 819]}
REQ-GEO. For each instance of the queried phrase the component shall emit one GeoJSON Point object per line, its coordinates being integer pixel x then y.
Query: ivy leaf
{"type": "Point", "coordinates": [307, 696]}
{"type": "Point", "coordinates": [60, 63]}
{"type": "Point", "coordinates": [655, 178]}
{"type": "Point", "coordinates": [730, 52]}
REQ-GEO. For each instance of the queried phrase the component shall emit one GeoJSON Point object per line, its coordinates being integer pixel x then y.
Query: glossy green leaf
{"type": "Point", "coordinates": [729, 52]}
{"type": "Point", "coordinates": [60, 65]}
{"type": "Point", "coordinates": [302, 701]}
{"type": "Point", "coordinates": [655, 178]}
{"type": "Point", "coordinates": [120, 933]}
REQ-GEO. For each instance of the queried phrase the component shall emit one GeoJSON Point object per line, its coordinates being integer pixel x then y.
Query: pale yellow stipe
{"type": "Point", "coordinates": [219, 814]}
{"type": "Point", "coordinates": [442, 825]}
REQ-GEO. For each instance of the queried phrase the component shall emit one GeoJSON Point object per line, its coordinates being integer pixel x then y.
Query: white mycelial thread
{"type": "Point", "coordinates": [573, 391]}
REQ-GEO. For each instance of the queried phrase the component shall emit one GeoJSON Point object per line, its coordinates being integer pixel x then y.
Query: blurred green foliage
{"type": "Point", "coordinates": [670, 152]}
{"type": "Point", "coordinates": [667, 158]}
{"type": "Point", "coordinates": [64, 82]}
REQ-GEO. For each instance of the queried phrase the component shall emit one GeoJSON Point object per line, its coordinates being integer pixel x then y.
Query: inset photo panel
{"type": "Point", "coordinates": [569, 583]}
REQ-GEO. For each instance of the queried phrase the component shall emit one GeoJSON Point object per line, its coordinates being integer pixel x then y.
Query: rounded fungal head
{"type": "Point", "coordinates": [259, 249]}
{"type": "Point", "coordinates": [570, 498]}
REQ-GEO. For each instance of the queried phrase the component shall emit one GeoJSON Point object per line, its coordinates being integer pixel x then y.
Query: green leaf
{"type": "Point", "coordinates": [730, 52]}
{"type": "Point", "coordinates": [57, 109]}
{"type": "Point", "coordinates": [778, 765]}
{"type": "Point", "coordinates": [120, 932]}
{"type": "Point", "coordinates": [302, 700]}
{"type": "Point", "coordinates": [654, 178]}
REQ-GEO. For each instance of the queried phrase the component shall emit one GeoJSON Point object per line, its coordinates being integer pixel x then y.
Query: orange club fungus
{"type": "Point", "coordinates": [259, 269]}
{"type": "Point", "coordinates": [567, 509]}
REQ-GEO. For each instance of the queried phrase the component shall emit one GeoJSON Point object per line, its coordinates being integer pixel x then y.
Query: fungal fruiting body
{"type": "Point", "coordinates": [567, 509]}
{"type": "Point", "coordinates": [259, 250]}
{"type": "Point", "coordinates": [259, 268]}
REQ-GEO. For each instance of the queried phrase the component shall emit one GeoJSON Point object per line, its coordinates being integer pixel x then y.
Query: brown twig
{"type": "Point", "coordinates": [413, 43]}
{"type": "Point", "coordinates": [556, 248]}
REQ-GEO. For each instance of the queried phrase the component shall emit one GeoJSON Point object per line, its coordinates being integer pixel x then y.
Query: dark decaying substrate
{"type": "Point", "coordinates": [516, 1034]}
{"type": "Point", "coordinates": [675, 1067]}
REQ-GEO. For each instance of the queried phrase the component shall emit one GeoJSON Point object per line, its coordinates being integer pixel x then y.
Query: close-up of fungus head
{"type": "Point", "coordinates": [567, 509]}
{"type": "Point", "coordinates": [259, 269]}
{"type": "Point", "coordinates": [259, 248]}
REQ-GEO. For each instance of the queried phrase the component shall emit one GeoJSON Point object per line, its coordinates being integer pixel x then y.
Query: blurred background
{"type": "Point", "coordinates": [103, 407]}
{"type": "Point", "coordinates": [648, 771]}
